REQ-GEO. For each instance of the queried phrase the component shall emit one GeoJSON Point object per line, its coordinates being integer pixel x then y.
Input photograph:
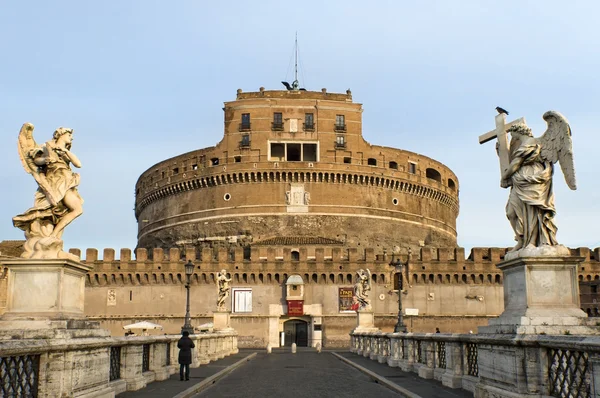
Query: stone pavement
{"type": "Point", "coordinates": [304, 374]}
{"type": "Point", "coordinates": [173, 386]}
{"type": "Point", "coordinates": [309, 374]}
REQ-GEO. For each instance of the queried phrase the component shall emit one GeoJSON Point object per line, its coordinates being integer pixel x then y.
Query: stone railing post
{"type": "Point", "coordinates": [394, 354]}
{"type": "Point", "coordinates": [452, 377]}
{"type": "Point", "coordinates": [368, 345]}
{"type": "Point", "coordinates": [202, 357]}
{"type": "Point", "coordinates": [384, 348]}
{"type": "Point", "coordinates": [409, 350]}
{"type": "Point", "coordinates": [353, 347]}
{"type": "Point", "coordinates": [131, 367]}
{"type": "Point", "coordinates": [158, 361]}
{"type": "Point", "coordinates": [428, 349]}
{"type": "Point", "coordinates": [375, 345]}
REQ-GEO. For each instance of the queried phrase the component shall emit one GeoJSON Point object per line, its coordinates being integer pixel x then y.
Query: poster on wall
{"type": "Point", "coordinates": [346, 303]}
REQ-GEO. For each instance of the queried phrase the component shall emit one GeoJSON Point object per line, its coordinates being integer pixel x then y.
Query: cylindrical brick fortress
{"type": "Point", "coordinates": [294, 164]}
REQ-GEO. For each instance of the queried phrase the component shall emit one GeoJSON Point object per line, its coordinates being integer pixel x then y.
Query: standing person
{"type": "Point", "coordinates": [185, 345]}
{"type": "Point", "coordinates": [437, 330]}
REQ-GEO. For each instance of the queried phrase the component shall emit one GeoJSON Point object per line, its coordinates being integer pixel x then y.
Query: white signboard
{"type": "Point", "coordinates": [411, 311]}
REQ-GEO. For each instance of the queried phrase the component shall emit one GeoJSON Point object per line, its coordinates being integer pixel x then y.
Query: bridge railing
{"type": "Point", "coordinates": [557, 366]}
{"type": "Point", "coordinates": [63, 367]}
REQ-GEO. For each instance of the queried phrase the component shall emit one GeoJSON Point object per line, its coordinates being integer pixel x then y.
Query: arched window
{"type": "Point", "coordinates": [372, 162]}
{"type": "Point", "coordinates": [295, 255]}
{"type": "Point", "coordinates": [451, 184]}
{"type": "Point", "coordinates": [433, 174]}
{"type": "Point", "coordinates": [394, 165]}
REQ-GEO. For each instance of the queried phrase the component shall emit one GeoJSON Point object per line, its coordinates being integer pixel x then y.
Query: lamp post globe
{"type": "Point", "coordinates": [189, 270]}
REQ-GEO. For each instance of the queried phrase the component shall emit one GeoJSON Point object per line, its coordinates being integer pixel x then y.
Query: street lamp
{"type": "Point", "coordinates": [399, 268]}
{"type": "Point", "coordinates": [189, 270]}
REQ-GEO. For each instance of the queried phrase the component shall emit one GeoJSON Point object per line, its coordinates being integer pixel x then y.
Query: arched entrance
{"type": "Point", "coordinates": [295, 331]}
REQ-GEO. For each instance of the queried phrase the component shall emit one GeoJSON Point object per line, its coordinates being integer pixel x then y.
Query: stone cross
{"type": "Point", "coordinates": [500, 133]}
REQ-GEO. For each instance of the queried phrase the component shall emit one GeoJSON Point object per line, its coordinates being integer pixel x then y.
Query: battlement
{"type": "Point", "coordinates": [173, 258]}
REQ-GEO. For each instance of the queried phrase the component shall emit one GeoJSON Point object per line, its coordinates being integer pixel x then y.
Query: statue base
{"type": "Point", "coordinates": [541, 296]}
{"type": "Point", "coordinates": [365, 321]}
{"type": "Point", "coordinates": [45, 299]}
{"type": "Point", "coordinates": [222, 321]}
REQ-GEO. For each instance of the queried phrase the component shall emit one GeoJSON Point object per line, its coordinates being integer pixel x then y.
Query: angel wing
{"type": "Point", "coordinates": [27, 148]}
{"type": "Point", "coordinates": [557, 145]}
{"type": "Point", "coordinates": [368, 279]}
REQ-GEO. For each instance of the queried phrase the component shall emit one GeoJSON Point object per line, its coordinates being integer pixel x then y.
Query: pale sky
{"type": "Point", "coordinates": [141, 81]}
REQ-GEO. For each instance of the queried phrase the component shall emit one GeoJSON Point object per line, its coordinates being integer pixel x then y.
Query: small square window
{"type": "Point", "coordinates": [412, 168]}
{"type": "Point", "coordinates": [347, 160]}
{"type": "Point", "coordinates": [237, 159]}
{"type": "Point", "coordinates": [194, 167]}
{"type": "Point", "coordinates": [176, 170]}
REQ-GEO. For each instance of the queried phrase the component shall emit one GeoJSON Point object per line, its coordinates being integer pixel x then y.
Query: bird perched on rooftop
{"type": "Point", "coordinates": [501, 110]}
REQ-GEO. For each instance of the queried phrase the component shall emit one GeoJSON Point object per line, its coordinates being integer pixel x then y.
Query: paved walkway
{"type": "Point", "coordinates": [305, 374]}
{"type": "Point", "coordinates": [173, 386]}
{"type": "Point", "coordinates": [308, 374]}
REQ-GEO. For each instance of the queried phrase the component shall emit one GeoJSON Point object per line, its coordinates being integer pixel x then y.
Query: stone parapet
{"type": "Point", "coordinates": [100, 366]}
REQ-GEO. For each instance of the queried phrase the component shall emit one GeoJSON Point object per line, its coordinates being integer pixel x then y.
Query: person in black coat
{"type": "Point", "coordinates": [185, 345]}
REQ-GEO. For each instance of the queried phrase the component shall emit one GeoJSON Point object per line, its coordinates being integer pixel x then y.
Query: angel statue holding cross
{"type": "Point", "coordinates": [527, 168]}
{"type": "Point", "coordinates": [57, 202]}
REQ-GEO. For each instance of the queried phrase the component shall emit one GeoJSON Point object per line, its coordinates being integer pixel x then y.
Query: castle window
{"type": "Point", "coordinates": [412, 168]}
{"type": "Point", "coordinates": [347, 160]}
{"type": "Point", "coordinates": [372, 162]}
{"type": "Point", "coordinates": [245, 141]}
{"type": "Point", "coordinates": [241, 300]}
{"type": "Point", "coordinates": [394, 165]}
{"type": "Point", "coordinates": [176, 170]}
{"type": "Point", "coordinates": [162, 174]}
{"type": "Point", "coordinates": [237, 159]}
{"type": "Point", "coordinates": [433, 174]}
{"type": "Point", "coordinates": [294, 153]}
{"type": "Point", "coordinates": [309, 152]}
{"type": "Point", "coordinates": [340, 123]}
{"type": "Point", "coordinates": [340, 141]}
{"type": "Point", "coordinates": [214, 161]}
{"type": "Point", "coordinates": [309, 122]}
{"type": "Point", "coordinates": [295, 255]}
{"type": "Point", "coordinates": [245, 124]}
{"type": "Point", "coordinates": [194, 167]}
{"type": "Point", "coordinates": [451, 184]}
{"type": "Point", "coordinates": [277, 124]}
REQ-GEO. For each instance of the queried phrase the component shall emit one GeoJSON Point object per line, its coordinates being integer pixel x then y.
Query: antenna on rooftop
{"type": "Point", "coordinates": [295, 86]}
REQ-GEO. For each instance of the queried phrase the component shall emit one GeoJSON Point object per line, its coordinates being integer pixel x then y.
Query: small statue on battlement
{"type": "Point", "coordinates": [57, 202]}
{"type": "Point", "coordinates": [527, 167]}
{"type": "Point", "coordinates": [222, 288]}
{"type": "Point", "coordinates": [362, 288]}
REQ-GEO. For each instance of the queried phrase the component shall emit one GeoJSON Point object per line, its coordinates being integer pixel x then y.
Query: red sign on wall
{"type": "Point", "coordinates": [295, 307]}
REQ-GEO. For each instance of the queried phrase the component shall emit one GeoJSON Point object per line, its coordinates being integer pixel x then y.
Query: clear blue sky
{"type": "Point", "coordinates": [141, 81]}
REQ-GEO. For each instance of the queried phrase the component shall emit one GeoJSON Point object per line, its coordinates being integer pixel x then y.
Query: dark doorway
{"type": "Point", "coordinates": [296, 331]}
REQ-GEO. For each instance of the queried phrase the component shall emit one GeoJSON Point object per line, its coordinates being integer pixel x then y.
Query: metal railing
{"type": "Point", "coordinates": [244, 127]}
{"type": "Point", "coordinates": [145, 357]}
{"type": "Point", "coordinates": [115, 363]}
{"type": "Point", "coordinates": [569, 373]}
{"type": "Point", "coordinates": [19, 376]}
{"type": "Point", "coordinates": [277, 126]}
{"type": "Point", "coordinates": [308, 126]}
{"type": "Point", "coordinates": [339, 127]}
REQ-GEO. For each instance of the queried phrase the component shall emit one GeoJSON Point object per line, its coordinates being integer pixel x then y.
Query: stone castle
{"type": "Point", "coordinates": [292, 203]}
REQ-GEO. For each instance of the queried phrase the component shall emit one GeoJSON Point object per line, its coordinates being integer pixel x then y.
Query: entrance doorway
{"type": "Point", "coordinates": [295, 331]}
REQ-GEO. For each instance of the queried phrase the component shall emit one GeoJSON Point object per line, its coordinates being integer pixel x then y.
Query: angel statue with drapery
{"type": "Point", "coordinates": [530, 208]}
{"type": "Point", "coordinates": [56, 202]}
{"type": "Point", "coordinates": [362, 287]}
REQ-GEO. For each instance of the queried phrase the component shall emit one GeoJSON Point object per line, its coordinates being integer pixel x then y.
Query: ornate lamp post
{"type": "Point", "coordinates": [189, 270]}
{"type": "Point", "coordinates": [399, 268]}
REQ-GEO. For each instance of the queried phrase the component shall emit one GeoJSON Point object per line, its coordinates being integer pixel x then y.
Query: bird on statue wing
{"type": "Point", "coordinates": [501, 110]}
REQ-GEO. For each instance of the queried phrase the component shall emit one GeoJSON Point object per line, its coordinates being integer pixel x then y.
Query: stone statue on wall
{"type": "Point", "coordinates": [57, 202]}
{"type": "Point", "coordinates": [362, 288]}
{"type": "Point", "coordinates": [530, 208]}
{"type": "Point", "coordinates": [223, 288]}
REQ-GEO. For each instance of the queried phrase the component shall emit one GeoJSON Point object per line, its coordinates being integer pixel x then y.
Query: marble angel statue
{"type": "Point", "coordinates": [222, 288]}
{"type": "Point", "coordinates": [530, 208]}
{"type": "Point", "coordinates": [56, 202]}
{"type": "Point", "coordinates": [362, 287]}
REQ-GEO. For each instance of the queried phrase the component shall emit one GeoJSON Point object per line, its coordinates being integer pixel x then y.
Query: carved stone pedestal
{"type": "Point", "coordinates": [45, 300]}
{"type": "Point", "coordinates": [541, 296]}
{"type": "Point", "coordinates": [365, 321]}
{"type": "Point", "coordinates": [222, 321]}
